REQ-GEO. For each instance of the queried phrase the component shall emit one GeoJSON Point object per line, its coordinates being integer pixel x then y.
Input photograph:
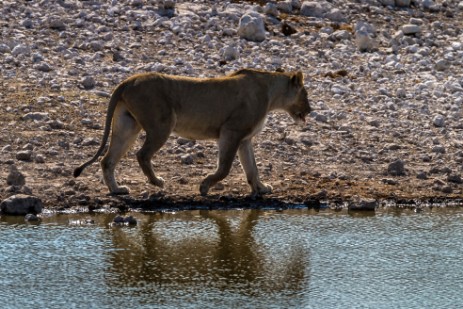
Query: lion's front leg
{"type": "Point", "coordinates": [248, 162]}
{"type": "Point", "coordinates": [228, 145]}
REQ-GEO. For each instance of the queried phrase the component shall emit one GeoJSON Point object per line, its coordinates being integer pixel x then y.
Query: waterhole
{"type": "Point", "coordinates": [295, 258]}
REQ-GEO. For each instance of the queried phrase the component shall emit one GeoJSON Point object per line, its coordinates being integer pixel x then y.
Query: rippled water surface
{"type": "Point", "coordinates": [235, 259]}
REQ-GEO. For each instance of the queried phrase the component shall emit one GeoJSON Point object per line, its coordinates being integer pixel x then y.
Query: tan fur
{"type": "Point", "coordinates": [230, 109]}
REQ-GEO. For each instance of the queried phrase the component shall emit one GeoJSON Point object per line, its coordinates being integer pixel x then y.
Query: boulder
{"type": "Point", "coordinates": [21, 205]}
{"type": "Point", "coordinates": [251, 27]}
{"type": "Point", "coordinates": [312, 9]}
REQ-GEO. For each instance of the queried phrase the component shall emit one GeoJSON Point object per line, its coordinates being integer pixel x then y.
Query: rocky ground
{"type": "Point", "coordinates": [385, 80]}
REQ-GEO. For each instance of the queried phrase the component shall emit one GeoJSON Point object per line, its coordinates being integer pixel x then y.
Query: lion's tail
{"type": "Point", "coordinates": [115, 98]}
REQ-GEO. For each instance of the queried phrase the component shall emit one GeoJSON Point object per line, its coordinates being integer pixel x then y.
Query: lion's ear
{"type": "Point", "coordinates": [297, 79]}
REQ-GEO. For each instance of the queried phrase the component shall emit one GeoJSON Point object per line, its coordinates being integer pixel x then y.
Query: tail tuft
{"type": "Point", "coordinates": [78, 171]}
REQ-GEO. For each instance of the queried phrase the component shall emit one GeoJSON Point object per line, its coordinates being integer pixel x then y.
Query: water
{"type": "Point", "coordinates": [235, 259]}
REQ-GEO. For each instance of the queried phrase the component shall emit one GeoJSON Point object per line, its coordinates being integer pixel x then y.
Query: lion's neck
{"type": "Point", "coordinates": [277, 91]}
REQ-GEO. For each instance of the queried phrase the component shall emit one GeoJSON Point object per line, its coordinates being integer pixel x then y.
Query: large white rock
{"type": "Point", "coordinates": [312, 8]}
{"type": "Point", "coordinates": [251, 27]}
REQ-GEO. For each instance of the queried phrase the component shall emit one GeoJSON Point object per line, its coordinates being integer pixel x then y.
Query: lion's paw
{"type": "Point", "coordinates": [262, 189]}
{"type": "Point", "coordinates": [122, 190]}
{"type": "Point", "coordinates": [159, 182]}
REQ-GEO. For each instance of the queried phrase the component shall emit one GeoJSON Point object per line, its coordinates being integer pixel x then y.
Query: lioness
{"type": "Point", "coordinates": [231, 109]}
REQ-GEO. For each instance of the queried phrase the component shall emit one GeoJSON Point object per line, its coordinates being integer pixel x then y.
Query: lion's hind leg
{"type": "Point", "coordinates": [125, 130]}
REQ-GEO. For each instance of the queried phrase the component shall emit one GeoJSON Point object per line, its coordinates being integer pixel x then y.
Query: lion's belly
{"type": "Point", "coordinates": [197, 131]}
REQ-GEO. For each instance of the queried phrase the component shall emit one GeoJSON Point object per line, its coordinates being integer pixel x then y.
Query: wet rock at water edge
{"type": "Point", "coordinates": [31, 218]}
{"type": "Point", "coordinates": [124, 221]}
{"type": "Point", "coordinates": [362, 205]}
{"type": "Point", "coordinates": [21, 205]}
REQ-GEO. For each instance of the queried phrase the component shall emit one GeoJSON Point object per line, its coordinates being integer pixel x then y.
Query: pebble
{"type": "Point", "coordinates": [438, 121]}
{"type": "Point", "coordinates": [88, 82]}
{"type": "Point", "coordinates": [24, 155]}
{"type": "Point", "coordinates": [31, 218]}
{"type": "Point", "coordinates": [36, 116]}
{"type": "Point", "coordinates": [187, 159]}
{"type": "Point", "coordinates": [15, 177]}
{"type": "Point", "coordinates": [396, 168]}
{"type": "Point", "coordinates": [409, 29]}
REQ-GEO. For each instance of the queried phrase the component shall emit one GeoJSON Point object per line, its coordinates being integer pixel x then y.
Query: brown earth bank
{"type": "Point", "coordinates": [386, 124]}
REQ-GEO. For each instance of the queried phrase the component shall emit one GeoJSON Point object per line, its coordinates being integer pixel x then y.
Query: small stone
{"type": "Point", "coordinates": [21, 50]}
{"type": "Point", "coordinates": [88, 82]}
{"type": "Point", "coordinates": [454, 178]}
{"type": "Point", "coordinates": [90, 141]}
{"type": "Point", "coordinates": [422, 175]}
{"type": "Point", "coordinates": [230, 53]}
{"type": "Point", "coordinates": [56, 23]}
{"type": "Point", "coordinates": [15, 177]}
{"type": "Point", "coordinates": [441, 65]}
{"type": "Point", "coordinates": [321, 118]}
{"type": "Point", "coordinates": [438, 149]}
{"type": "Point", "coordinates": [56, 124]}
{"type": "Point", "coordinates": [438, 121]}
{"type": "Point", "coordinates": [27, 23]}
{"type": "Point", "coordinates": [31, 218]}
{"type": "Point", "coordinates": [187, 159]}
{"type": "Point", "coordinates": [24, 155]}
{"type": "Point", "coordinates": [36, 116]}
{"type": "Point", "coordinates": [447, 189]}
{"type": "Point", "coordinates": [409, 29]}
{"type": "Point", "coordinates": [185, 141]}
{"type": "Point", "coordinates": [42, 67]}
{"type": "Point", "coordinates": [389, 181]}
{"type": "Point", "coordinates": [396, 168]}
{"type": "Point", "coordinates": [39, 158]}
